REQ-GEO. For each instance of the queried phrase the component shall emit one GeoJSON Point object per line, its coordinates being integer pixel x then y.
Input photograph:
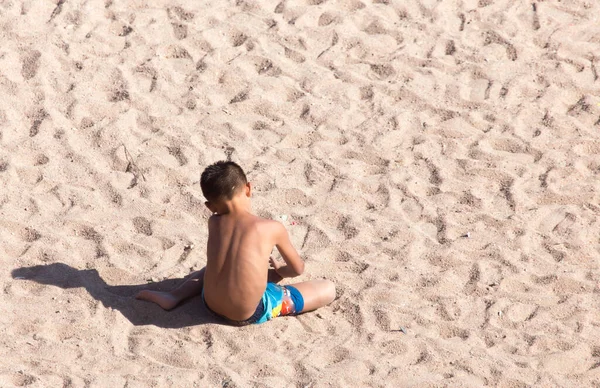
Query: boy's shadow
{"type": "Point", "coordinates": [189, 313]}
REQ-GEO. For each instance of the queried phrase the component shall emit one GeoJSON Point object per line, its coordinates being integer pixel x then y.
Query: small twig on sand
{"type": "Point", "coordinates": [234, 58]}
{"type": "Point", "coordinates": [132, 167]}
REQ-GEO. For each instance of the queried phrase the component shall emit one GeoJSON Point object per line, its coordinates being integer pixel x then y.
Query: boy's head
{"type": "Point", "coordinates": [221, 181]}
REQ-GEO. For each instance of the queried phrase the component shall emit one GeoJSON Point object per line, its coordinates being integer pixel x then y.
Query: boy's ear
{"type": "Point", "coordinates": [248, 189]}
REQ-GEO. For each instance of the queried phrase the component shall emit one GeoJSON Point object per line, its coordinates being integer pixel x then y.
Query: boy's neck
{"type": "Point", "coordinates": [236, 205]}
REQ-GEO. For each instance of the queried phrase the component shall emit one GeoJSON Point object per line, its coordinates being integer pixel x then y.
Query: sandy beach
{"type": "Point", "coordinates": [438, 160]}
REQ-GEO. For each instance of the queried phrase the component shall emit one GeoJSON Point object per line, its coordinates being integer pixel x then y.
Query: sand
{"type": "Point", "coordinates": [438, 160]}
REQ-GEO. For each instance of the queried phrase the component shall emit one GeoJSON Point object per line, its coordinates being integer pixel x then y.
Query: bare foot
{"type": "Point", "coordinates": [163, 299]}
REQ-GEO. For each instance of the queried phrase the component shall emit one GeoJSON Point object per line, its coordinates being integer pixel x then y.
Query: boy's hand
{"type": "Point", "coordinates": [283, 270]}
{"type": "Point", "coordinates": [275, 264]}
{"type": "Point", "coordinates": [274, 276]}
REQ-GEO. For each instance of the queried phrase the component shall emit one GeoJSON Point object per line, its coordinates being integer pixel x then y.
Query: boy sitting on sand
{"type": "Point", "coordinates": [237, 284]}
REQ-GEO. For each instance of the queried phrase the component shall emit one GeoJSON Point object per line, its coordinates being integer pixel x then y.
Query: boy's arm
{"type": "Point", "coordinates": [294, 265]}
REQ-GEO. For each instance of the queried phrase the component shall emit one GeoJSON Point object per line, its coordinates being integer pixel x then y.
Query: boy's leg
{"type": "Point", "coordinates": [192, 286]}
{"type": "Point", "coordinates": [316, 293]}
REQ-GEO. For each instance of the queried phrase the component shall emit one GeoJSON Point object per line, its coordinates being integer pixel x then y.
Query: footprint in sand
{"type": "Point", "coordinates": [30, 61]}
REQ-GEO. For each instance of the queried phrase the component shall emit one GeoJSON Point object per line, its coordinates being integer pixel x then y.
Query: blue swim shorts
{"type": "Point", "coordinates": [280, 300]}
{"type": "Point", "coordinates": [276, 301]}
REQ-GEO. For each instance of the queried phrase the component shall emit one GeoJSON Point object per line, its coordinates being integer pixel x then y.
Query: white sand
{"type": "Point", "coordinates": [385, 130]}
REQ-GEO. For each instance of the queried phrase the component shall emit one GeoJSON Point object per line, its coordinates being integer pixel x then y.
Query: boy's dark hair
{"type": "Point", "coordinates": [221, 180]}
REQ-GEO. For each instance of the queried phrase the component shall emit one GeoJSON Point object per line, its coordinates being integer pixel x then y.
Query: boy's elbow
{"type": "Point", "coordinates": [300, 269]}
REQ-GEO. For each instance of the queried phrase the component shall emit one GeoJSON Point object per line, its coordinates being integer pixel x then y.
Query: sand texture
{"type": "Point", "coordinates": [438, 160]}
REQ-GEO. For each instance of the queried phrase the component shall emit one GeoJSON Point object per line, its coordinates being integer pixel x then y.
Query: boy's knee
{"type": "Point", "coordinates": [329, 290]}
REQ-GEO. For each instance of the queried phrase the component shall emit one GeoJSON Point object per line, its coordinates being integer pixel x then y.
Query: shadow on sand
{"type": "Point", "coordinates": [121, 298]}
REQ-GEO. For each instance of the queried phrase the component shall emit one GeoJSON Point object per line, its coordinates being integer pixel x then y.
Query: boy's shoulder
{"type": "Point", "coordinates": [268, 226]}
{"type": "Point", "coordinates": [253, 219]}
{"type": "Point", "coordinates": [272, 228]}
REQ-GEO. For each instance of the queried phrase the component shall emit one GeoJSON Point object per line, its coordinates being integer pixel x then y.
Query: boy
{"type": "Point", "coordinates": [237, 284]}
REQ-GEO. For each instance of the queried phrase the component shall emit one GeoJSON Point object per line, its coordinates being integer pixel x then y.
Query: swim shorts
{"type": "Point", "coordinates": [281, 300]}
{"type": "Point", "coordinates": [276, 301]}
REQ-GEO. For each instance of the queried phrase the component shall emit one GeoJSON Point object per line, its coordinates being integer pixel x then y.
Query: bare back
{"type": "Point", "coordinates": [239, 246]}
